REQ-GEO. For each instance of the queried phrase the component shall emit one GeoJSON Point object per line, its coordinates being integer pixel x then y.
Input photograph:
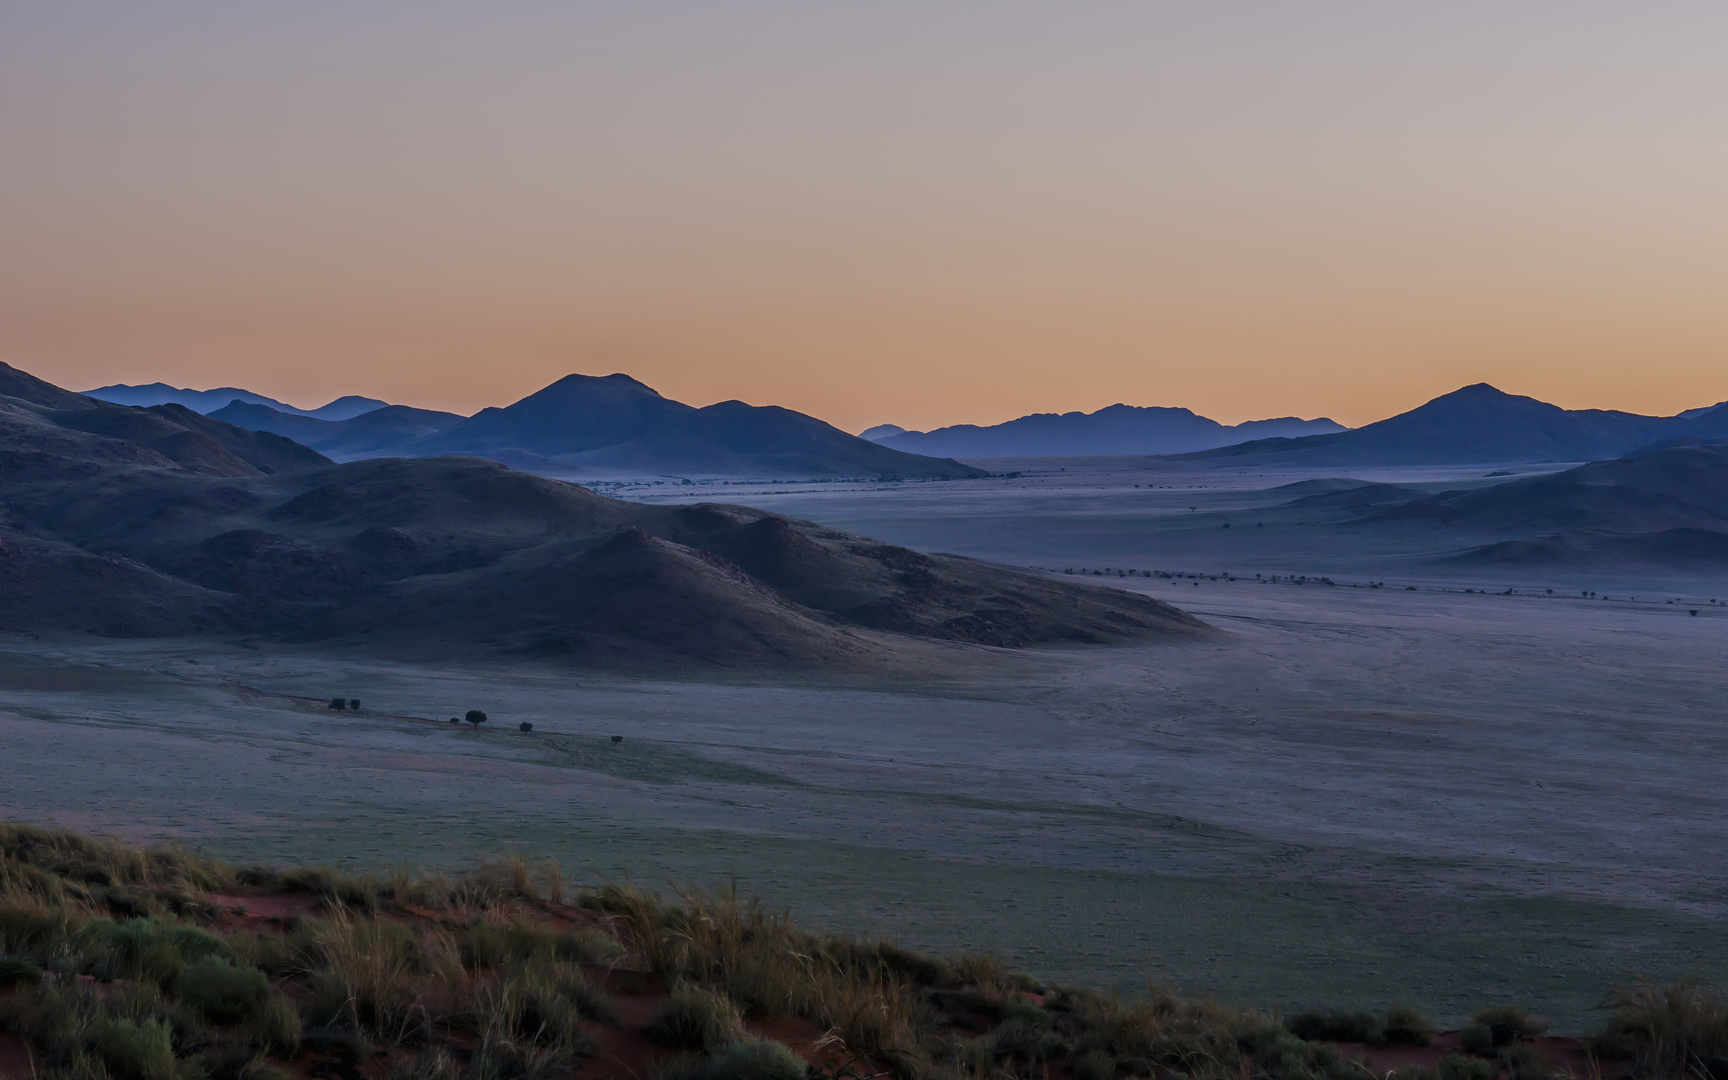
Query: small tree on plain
{"type": "Point", "coordinates": [354, 704]}
{"type": "Point", "coordinates": [338, 703]}
{"type": "Point", "coordinates": [475, 717]}
{"type": "Point", "coordinates": [524, 726]}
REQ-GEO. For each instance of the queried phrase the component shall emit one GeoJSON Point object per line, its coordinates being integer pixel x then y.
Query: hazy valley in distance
{"type": "Point", "coordinates": [1086, 541]}
{"type": "Point", "coordinates": [1411, 722]}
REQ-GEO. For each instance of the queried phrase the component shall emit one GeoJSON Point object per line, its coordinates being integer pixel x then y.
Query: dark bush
{"type": "Point", "coordinates": [275, 1029]}
{"type": "Point", "coordinates": [1093, 1065]}
{"type": "Point", "coordinates": [1335, 1026]}
{"type": "Point", "coordinates": [1476, 1039]}
{"type": "Point", "coordinates": [133, 1051]}
{"type": "Point", "coordinates": [1407, 1027]}
{"type": "Point", "coordinates": [524, 726]}
{"type": "Point", "coordinates": [1459, 1067]}
{"type": "Point", "coordinates": [475, 717]}
{"type": "Point", "coordinates": [693, 1018]}
{"type": "Point", "coordinates": [16, 969]}
{"type": "Point", "coordinates": [354, 704]}
{"type": "Point", "coordinates": [752, 1059]}
{"type": "Point", "coordinates": [338, 703]}
{"type": "Point", "coordinates": [224, 992]}
{"type": "Point", "coordinates": [1510, 1024]}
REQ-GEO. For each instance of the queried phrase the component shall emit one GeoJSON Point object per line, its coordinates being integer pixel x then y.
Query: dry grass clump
{"type": "Point", "coordinates": [373, 978]}
{"type": "Point", "coordinates": [1678, 1030]}
{"type": "Point", "coordinates": [759, 960]}
{"type": "Point", "coordinates": [745, 1059]}
{"type": "Point", "coordinates": [696, 1018]}
{"type": "Point", "coordinates": [223, 991]}
{"type": "Point", "coordinates": [1400, 1026]}
{"type": "Point", "coordinates": [54, 866]}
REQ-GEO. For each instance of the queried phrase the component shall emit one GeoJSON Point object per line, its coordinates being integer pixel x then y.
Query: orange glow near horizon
{"type": "Point", "coordinates": [886, 214]}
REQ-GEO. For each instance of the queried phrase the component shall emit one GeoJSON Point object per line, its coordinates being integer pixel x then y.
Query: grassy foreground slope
{"type": "Point", "coordinates": [126, 964]}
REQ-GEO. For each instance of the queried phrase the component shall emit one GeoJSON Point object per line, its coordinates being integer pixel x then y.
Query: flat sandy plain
{"type": "Point", "coordinates": [1352, 796]}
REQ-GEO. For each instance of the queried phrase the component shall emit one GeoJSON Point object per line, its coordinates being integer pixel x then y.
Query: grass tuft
{"type": "Point", "coordinates": [695, 1018]}
{"type": "Point", "coordinates": [223, 991]}
{"type": "Point", "coordinates": [1676, 1030]}
{"type": "Point", "coordinates": [18, 969]}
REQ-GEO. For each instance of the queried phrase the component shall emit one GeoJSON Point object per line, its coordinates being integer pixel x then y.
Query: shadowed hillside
{"type": "Point", "coordinates": [158, 521]}
{"type": "Point", "coordinates": [1685, 487]}
{"type": "Point", "coordinates": [372, 434]}
{"type": "Point", "coordinates": [1666, 507]}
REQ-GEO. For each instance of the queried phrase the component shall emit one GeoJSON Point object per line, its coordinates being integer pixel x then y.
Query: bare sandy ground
{"type": "Point", "coordinates": [1355, 796]}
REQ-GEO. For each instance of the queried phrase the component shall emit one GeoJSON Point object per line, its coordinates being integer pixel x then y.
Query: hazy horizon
{"type": "Point", "coordinates": [900, 214]}
{"type": "Point", "coordinates": [311, 405]}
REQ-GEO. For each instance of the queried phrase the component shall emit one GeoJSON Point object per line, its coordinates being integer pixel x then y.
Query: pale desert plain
{"type": "Point", "coordinates": [1404, 785]}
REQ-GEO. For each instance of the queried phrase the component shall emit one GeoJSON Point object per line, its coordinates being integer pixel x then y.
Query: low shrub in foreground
{"type": "Point", "coordinates": [17, 969]}
{"type": "Point", "coordinates": [1675, 1030]}
{"type": "Point", "coordinates": [695, 1018]}
{"type": "Point", "coordinates": [225, 992]}
{"type": "Point", "coordinates": [746, 1059]}
{"type": "Point", "coordinates": [119, 968]}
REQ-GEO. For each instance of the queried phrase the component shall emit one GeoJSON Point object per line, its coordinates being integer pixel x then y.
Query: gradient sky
{"type": "Point", "coordinates": [917, 213]}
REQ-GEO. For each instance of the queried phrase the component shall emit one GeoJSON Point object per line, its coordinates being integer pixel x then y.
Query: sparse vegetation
{"type": "Point", "coordinates": [223, 991]}
{"type": "Point", "coordinates": [696, 1018]}
{"type": "Point", "coordinates": [1676, 1030]}
{"type": "Point", "coordinates": [121, 969]}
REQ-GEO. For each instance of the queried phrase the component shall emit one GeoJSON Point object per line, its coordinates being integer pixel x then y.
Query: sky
{"type": "Point", "coordinates": [888, 212]}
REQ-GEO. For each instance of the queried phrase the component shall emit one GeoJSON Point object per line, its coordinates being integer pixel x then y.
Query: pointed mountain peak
{"type": "Point", "coordinates": [616, 382]}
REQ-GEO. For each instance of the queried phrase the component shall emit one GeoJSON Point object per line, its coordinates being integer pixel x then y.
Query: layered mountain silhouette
{"type": "Point", "coordinates": [156, 521]}
{"type": "Point", "coordinates": [377, 433]}
{"type": "Point", "coordinates": [1118, 429]}
{"type": "Point", "coordinates": [1481, 425]}
{"type": "Point", "coordinates": [208, 401]}
{"type": "Point", "coordinates": [612, 424]}
{"type": "Point", "coordinates": [1664, 506]}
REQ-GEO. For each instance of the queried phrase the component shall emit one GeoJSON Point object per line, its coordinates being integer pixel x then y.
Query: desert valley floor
{"type": "Point", "coordinates": [1350, 796]}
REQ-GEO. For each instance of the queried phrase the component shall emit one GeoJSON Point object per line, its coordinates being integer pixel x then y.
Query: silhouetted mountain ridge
{"type": "Point", "coordinates": [159, 522]}
{"type": "Point", "coordinates": [1117, 429]}
{"type": "Point", "coordinates": [206, 402]}
{"type": "Point", "coordinates": [614, 423]}
{"type": "Point", "coordinates": [1478, 424]}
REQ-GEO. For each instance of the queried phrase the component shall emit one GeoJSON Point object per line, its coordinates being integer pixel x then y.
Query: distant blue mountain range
{"type": "Point", "coordinates": [1482, 425]}
{"type": "Point", "coordinates": [1119, 429]}
{"type": "Point", "coordinates": [206, 402]}
{"type": "Point", "coordinates": [582, 423]}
